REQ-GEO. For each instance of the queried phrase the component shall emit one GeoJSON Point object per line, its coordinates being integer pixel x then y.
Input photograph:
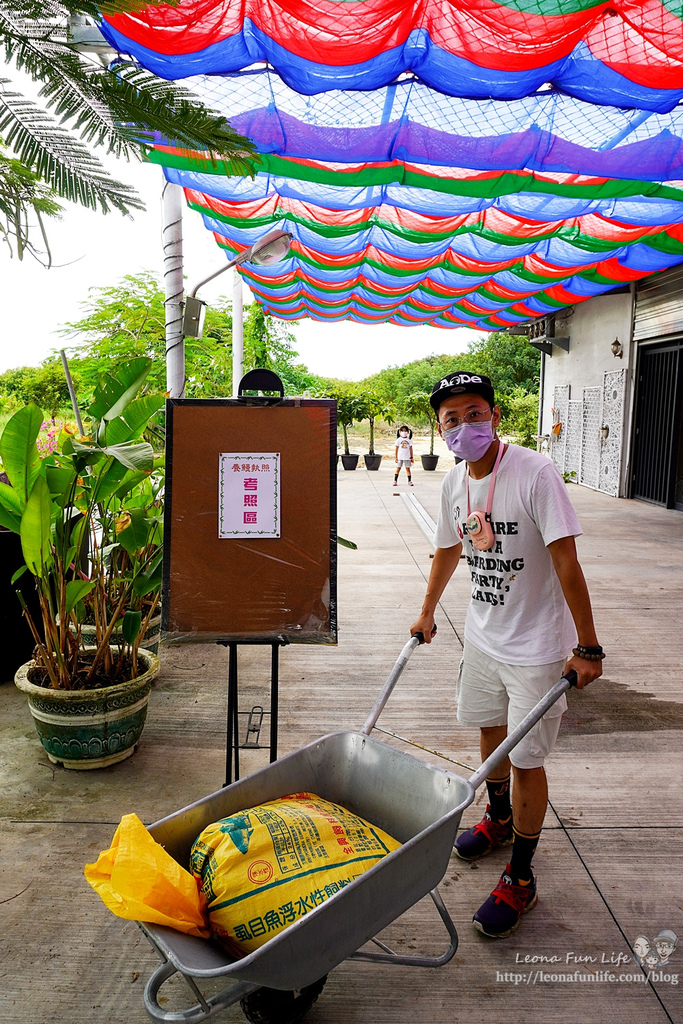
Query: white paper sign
{"type": "Point", "coordinates": [249, 495]}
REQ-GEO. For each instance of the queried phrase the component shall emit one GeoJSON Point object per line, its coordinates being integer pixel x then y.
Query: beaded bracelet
{"type": "Point", "coordinates": [589, 653]}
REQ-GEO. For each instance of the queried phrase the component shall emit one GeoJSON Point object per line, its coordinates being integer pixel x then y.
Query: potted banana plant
{"type": "Point", "coordinates": [89, 519]}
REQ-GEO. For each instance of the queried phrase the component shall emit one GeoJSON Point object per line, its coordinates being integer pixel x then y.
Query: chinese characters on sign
{"type": "Point", "coordinates": [249, 495]}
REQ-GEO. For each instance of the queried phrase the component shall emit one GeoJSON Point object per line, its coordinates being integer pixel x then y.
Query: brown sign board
{"type": "Point", "coordinates": [241, 585]}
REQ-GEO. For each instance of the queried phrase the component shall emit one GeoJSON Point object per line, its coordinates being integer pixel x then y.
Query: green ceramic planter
{"type": "Point", "coordinates": [150, 640]}
{"type": "Point", "coordinates": [90, 728]}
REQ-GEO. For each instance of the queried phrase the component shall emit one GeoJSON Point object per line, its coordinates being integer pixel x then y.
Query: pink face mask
{"type": "Point", "coordinates": [469, 441]}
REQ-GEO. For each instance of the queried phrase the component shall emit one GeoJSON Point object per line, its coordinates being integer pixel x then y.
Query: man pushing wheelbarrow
{"type": "Point", "coordinates": [508, 510]}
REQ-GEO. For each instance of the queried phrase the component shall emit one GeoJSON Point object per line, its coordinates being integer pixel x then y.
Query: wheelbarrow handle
{"type": "Point", "coordinates": [392, 679]}
{"type": "Point", "coordinates": [527, 723]}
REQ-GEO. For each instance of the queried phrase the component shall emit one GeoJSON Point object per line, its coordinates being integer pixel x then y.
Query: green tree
{"type": "Point", "coordinates": [509, 360]}
{"type": "Point", "coordinates": [350, 406]}
{"type": "Point", "coordinates": [127, 320]}
{"type": "Point", "coordinates": [44, 386]}
{"type": "Point", "coordinates": [372, 406]}
{"type": "Point", "coordinates": [85, 104]}
{"type": "Point", "coordinates": [418, 408]}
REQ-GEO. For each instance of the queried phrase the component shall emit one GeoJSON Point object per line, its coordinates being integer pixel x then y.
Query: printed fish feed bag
{"type": "Point", "coordinates": [266, 867]}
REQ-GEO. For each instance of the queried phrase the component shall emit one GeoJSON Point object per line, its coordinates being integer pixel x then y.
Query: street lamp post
{"type": "Point", "coordinates": [272, 248]}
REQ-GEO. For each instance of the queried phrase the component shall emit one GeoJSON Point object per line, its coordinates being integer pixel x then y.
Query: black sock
{"type": "Point", "coordinates": [499, 799]}
{"type": "Point", "coordinates": [523, 849]}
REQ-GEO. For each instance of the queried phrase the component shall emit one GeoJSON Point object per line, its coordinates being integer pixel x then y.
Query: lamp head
{"type": "Point", "coordinates": [270, 249]}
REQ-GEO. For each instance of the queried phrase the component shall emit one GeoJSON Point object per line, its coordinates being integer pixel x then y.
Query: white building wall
{"type": "Point", "coordinates": [592, 329]}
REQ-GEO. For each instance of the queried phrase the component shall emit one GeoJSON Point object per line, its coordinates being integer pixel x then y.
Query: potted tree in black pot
{"type": "Point", "coordinates": [348, 411]}
{"type": "Point", "coordinates": [373, 407]}
{"type": "Point", "coordinates": [418, 405]}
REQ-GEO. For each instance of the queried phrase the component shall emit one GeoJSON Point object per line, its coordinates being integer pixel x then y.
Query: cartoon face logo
{"type": "Point", "coordinates": [656, 953]}
{"type": "Point", "coordinates": [665, 944]}
{"type": "Point", "coordinates": [641, 947]}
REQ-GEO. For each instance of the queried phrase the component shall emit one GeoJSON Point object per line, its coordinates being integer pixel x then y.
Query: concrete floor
{"type": "Point", "coordinates": [609, 864]}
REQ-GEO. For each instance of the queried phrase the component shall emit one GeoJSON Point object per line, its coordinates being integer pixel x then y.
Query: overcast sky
{"type": "Point", "coordinates": [90, 250]}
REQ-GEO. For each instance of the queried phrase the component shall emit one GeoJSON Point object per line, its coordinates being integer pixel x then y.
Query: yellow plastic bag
{"type": "Point", "coordinates": [139, 881]}
{"type": "Point", "coordinates": [266, 867]}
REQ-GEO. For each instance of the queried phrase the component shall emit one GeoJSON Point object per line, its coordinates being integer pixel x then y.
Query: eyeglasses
{"type": "Point", "coordinates": [473, 416]}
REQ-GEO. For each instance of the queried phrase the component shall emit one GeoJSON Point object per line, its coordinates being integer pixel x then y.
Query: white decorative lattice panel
{"type": "Point", "coordinates": [558, 441]}
{"type": "Point", "coordinates": [590, 437]}
{"type": "Point", "coordinates": [572, 451]}
{"type": "Point", "coordinates": [613, 391]}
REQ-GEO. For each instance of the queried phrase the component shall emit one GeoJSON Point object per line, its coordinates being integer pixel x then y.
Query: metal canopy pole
{"type": "Point", "coordinates": [172, 241]}
{"type": "Point", "coordinates": [237, 331]}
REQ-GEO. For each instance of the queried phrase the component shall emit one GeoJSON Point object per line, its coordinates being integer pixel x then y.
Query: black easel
{"type": "Point", "coordinates": [232, 747]}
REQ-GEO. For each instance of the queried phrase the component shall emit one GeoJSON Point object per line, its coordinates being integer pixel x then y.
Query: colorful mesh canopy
{"type": "Point", "coordinates": [623, 52]}
{"type": "Point", "coordinates": [528, 156]}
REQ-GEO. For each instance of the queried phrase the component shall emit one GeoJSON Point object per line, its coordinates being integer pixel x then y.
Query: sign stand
{"type": "Point", "coordinates": [232, 749]}
{"type": "Point", "coordinates": [250, 534]}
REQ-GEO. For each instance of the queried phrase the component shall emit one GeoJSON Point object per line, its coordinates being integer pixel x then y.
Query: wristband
{"type": "Point", "coordinates": [589, 653]}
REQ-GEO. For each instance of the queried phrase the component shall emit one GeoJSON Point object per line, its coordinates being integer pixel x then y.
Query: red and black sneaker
{"type": "Point", "coordinates": [483, 838]}
{"type": "Point", "coordinates": [500, 915]}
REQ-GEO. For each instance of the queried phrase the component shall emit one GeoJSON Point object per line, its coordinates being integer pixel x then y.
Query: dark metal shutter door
{"type": "Point", "coordinates": [654, 438]}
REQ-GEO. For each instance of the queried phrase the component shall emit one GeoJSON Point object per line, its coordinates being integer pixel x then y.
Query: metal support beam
{"type": "Point", "coordinates": [172, 241]}
{"type": "Point", "coordinates": [237, 331]}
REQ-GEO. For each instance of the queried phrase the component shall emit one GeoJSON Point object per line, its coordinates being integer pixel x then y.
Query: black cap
{"type": "Point", "coordinates": [461, 382]}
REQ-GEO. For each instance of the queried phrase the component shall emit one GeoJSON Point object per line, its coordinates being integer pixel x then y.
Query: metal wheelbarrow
{"type": "Point", "coordinates": [417, 804]}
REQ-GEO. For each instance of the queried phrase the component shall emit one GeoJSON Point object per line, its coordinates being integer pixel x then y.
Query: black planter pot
{"type": "Point", "coordinates": [372, 461]}
{"type": "Point", "coordinates": [350, 461]}
{"type": "Point", "coordinates": [429, 461]}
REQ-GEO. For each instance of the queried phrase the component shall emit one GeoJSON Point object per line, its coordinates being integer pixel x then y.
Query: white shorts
{"type": "Point", "coordinates": [403, 462]}
{"type": "Point", "coordinates": [490, 693]}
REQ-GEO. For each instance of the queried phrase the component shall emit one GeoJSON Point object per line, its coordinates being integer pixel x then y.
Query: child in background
{"type": "Point", "coordinates": [404, 452]}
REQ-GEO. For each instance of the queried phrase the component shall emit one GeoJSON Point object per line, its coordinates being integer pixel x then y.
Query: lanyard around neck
{"type": "Point", "coordinates": [489, 499]}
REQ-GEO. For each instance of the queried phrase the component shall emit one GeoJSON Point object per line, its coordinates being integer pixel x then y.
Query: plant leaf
{"type": "Point", "coordinates": [150, 580]}
{"type": "Point", "coordinates": [134, 537]}
{"type": "Point", "coordinates": [130, 627]}
{"type": "Point", "coordinates": [59, 480]}
{"type": "Point", "coordinates": [36, 529]}
{"type": "Point", "coordinates": [132, 456]}
{"type": "Point", "coordinates": [10, 508]}
{"type": "Point", "coordinates": [76, 590]}
{"type": "Point", "coordinates": [118, 389]}
{"type": "Point", "coordinates": [347, 543]}
{"type": "Point", "coordinates": [18, 449]}
{"type": "Point", "coordinates": [134, 419]}
{"type": "Point", "coordinates": [18, 574]}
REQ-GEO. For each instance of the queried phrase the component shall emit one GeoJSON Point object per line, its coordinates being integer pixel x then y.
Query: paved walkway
{"type": "Point", "coordinates": [610, 861]}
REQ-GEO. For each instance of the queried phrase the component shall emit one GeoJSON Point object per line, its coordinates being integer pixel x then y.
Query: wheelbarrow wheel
{"type": "Point", "coordinates": [273, 1006]}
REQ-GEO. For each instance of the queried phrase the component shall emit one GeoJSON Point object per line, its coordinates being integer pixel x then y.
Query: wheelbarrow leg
{"type": "Point", "coordinates": [201, 1011]}
{"type": "Point", "coordinates": [390, 957]}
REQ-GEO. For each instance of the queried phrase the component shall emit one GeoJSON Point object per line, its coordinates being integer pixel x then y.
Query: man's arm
{"type": "Point", "coordinates": [444, 565]}
{"type": "Point", "coordinates": [573, 583]}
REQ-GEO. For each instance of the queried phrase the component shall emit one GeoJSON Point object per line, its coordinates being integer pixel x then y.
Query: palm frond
{"type": "Point", "coordinates": [62, 161]}
{"type": "Point", "coordinates": [122, 108]}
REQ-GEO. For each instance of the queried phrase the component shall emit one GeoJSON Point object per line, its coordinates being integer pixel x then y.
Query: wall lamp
{"type": "Point", "coordinates": [617, 348]}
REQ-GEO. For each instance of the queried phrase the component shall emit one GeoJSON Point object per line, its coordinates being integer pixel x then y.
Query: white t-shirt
{"type": "Point", "coordinates": [517, 613]}
{"type": "Point", "coordinates": [404, 449]}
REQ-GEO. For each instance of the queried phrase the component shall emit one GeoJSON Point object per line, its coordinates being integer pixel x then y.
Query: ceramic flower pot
{"type": "Point", "coordinates": [350, 461]}
{"type": "Point", "coordinates": [372, 461]}
{"type": "Point", "coordinates": [429, 461]}
{"type": "Point", "coordinates": [90, 728]}
{"type": "Point", "coordinates": [150, 641]}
